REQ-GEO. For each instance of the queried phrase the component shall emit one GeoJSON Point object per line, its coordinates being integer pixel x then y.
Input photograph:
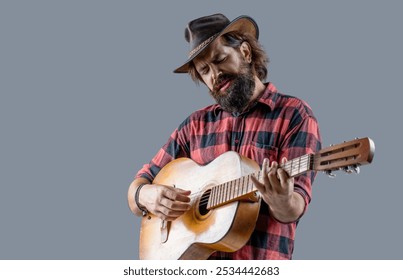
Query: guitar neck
{"type": "Point", "coordinates": [243, 187]}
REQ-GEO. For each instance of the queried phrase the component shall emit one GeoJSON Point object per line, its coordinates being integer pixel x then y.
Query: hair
{"type": "Point", "coordinates": [234, 39]}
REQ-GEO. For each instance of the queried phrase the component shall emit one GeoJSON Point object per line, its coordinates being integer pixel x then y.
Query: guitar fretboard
{"type": "Point", "coordinates": [243, 187]}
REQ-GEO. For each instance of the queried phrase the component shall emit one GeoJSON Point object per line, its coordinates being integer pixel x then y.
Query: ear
{"type": "Point", "coordinates": [246, 51]}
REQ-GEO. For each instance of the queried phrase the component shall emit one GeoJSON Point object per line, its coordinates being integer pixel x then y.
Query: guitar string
{"type": "Point", "coordinates": [309, 160]}
{"type": "Point", "coordinates": [304, 160]}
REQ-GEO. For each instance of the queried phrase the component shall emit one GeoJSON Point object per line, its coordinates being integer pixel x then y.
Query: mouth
{"type": "Point", "coordinates": [223, 85]}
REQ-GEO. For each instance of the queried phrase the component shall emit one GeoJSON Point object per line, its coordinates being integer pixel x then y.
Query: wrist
{"type": "Point", "coordinates": [141, 207]}
{"type": "Point", "coordinates": [289, 209]}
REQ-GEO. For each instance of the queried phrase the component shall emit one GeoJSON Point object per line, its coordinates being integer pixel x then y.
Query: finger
{"type": "Point", "coordinates": [265, 164]}
{"type": "Point", "coordinates": [283, 176]}
{"type": "Point", "coordinates": [174, 205]}
{"type": "Point", "coordinates": [265, 171]}
{"type": "Point", "coordinates": [171, 209]}
{"type": "Point", "coordinates": [281, 173]}
{"type": "Point", "coordinates": [175, 195]}
{"type": "Point", "coordinates": [168, 215]}
{"type": "Point", "coordinates": [272, 176]}
{"type": "Point", "coordinates": [182, 191]}
{"type": "Point", "coordinates": [273, 169]}
{"type": "Point", "coordinates": [259, 186]}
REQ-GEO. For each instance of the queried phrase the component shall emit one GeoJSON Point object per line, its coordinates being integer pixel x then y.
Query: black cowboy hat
{"type": "Point", "coordinates": [201, 32]}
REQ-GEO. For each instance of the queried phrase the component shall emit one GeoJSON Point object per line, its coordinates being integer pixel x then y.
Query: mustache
{"type": "Point", "coordinates": [221, 80]}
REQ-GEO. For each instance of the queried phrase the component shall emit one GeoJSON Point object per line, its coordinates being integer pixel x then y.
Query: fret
{"type": "Point", "coordinates": [299, 165]}
{"type": "Point", "coordinates": [236, 183]}
{"type": "Point", "coordinates": [240, 187]}
{"type": "Point", "coordinates": [233, 188]}
{"type": "Point", "coordinates": [210, 199]}
{"type": "Point", "coordinates": [219, 194]}
{"type": "Point", "coordinates": [232, 185]}
{"type": "Point", "coordinates": [287, 168]}
{"type": "Point", "coordinates": [214, 196]}
{"type": "Point", "coordinates": [250, 185]}
{"type": "Point", "coordinates": [245, 187]}
{"type": "Point", "coordinates": [308, 160]}
{"type": "Point", "coordinates": [224, 191]}
{"type": "Point", "coordinates": [236, 190]}
{"type": "Point", "coordinates": [296, 167]}
{"type": "Point", "coordinates": [292, 169]}
{"type": "Point", "coordinates": [227, 190]}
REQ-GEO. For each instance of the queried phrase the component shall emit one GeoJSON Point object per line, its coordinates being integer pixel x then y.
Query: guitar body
{"type": "Point", "coordinates": [224, 203]}
{"type": "Point", "coordinates": [200, 232]}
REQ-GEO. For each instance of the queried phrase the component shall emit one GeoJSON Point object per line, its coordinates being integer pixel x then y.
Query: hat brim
{"type": "Point", "coordinates": [242, 24]}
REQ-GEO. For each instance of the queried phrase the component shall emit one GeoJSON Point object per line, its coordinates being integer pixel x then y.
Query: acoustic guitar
{"type": "Point", "coordinates": [225, 205]}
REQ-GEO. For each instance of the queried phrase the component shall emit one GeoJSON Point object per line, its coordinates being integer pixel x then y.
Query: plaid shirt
{"type": "Point", "coordinates": [276, 126]}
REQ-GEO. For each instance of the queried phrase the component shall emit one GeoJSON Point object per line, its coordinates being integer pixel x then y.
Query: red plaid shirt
{"type": "Point", "coordinates": [276, 126]}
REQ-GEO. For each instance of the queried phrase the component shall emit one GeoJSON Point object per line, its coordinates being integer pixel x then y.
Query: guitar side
{"type": "Point", "coordinates": [198, 233]}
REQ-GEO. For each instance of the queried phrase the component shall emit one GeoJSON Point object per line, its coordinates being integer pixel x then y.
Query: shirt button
{"type": "Point", "coordinates": [236, 141]}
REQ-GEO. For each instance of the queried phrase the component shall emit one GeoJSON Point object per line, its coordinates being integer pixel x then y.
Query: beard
{"type": "Point", "coordinates": [236, 98]}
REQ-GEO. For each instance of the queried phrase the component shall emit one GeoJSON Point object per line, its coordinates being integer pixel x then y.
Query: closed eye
{"type": "Point", "coordinates": [220, 60]}
{"type": "Point", "coordinates": [204, 70]}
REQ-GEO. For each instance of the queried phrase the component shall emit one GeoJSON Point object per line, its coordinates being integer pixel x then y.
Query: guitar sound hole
{"type": "Point", "coordinates": [203, 203]}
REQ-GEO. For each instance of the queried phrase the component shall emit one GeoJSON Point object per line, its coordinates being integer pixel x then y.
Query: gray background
{"type": "Point", "coordinates": [88, 95]}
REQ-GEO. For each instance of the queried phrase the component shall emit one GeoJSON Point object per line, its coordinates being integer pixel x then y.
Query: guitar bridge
{"type": "Point", "coordinates": [165, 225]}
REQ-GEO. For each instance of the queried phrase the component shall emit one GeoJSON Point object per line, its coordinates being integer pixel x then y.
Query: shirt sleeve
{"type": "Point", "coordinates": [175, 147]}
{"type": "Point", "coordinates": [303, 138]}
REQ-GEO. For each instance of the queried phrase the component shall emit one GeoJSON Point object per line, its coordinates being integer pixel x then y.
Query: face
{"type": "Point", "coordinates": [228, 74]}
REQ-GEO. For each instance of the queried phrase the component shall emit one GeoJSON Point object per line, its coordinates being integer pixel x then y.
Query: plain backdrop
{"type": "Point", "coordinates": [87, 96]}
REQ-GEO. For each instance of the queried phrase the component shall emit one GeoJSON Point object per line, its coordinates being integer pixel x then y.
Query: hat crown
{"type": "Point", "coordinates": [201, 29]}
{"type": "Point", "coordinates": [201, 32]}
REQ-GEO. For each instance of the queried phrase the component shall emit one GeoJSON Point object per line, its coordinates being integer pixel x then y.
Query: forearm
{"type": "Point", "coordinates": [289, 209]}
{"type": "Point", "coordinates": [131, 194]}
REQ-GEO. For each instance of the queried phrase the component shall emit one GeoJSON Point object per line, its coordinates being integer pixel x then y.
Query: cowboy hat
{"type": "Point", "coordinates": [201, 32]}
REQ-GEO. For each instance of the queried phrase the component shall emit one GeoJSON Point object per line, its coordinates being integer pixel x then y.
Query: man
{"type": "Point", "coordinates": [251, 118]}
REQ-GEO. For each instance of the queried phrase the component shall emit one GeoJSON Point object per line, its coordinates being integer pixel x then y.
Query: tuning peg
{"type": "Point", "coordinates": [356, 169]}
{"type": "Point", "coordinates": [348, 169]}
{"type": "Point", "coordinates": [351, 169]}
{"type": "Point", "coordinates": [330, 173]}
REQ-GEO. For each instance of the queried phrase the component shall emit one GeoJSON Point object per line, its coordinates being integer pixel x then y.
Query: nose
{"type": "Point", "coordinates": [216, 73]}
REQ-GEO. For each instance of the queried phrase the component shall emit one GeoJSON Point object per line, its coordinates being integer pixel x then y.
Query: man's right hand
{"type": "Point", "coordinates": [166, 202]}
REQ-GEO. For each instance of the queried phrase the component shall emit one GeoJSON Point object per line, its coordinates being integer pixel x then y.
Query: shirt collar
{"type": "Point", "coordinates": [269, 96]}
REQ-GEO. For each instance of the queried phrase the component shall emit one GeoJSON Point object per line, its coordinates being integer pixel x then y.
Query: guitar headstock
{"type": "Point", "coordinates": [347, 156]}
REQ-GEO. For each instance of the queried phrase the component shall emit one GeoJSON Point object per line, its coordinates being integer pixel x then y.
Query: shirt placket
{"type": "Point", "coordinates": [237, 131]}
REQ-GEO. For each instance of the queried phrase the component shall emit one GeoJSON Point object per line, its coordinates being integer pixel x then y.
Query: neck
{"type": "Point", "coordinates": [259, 89]}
